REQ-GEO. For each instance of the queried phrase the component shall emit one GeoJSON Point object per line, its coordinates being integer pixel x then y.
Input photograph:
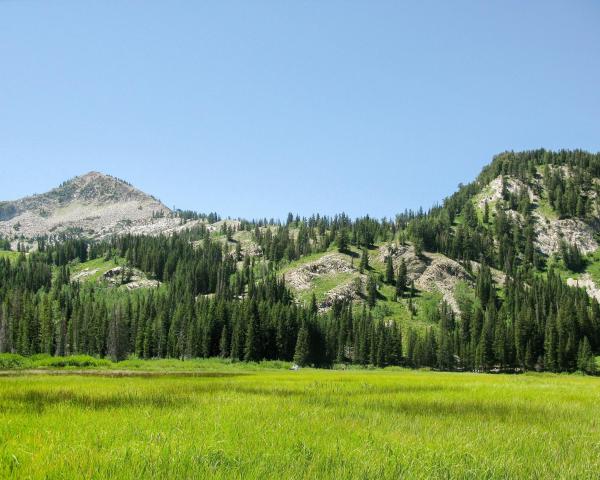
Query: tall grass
{"type": "Point", "coordinates": [306, 424]}
{"type": "Point", "coordinates": [10, 361]}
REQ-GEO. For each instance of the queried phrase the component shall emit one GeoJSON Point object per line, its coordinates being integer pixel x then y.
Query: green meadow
{"type": "Point", "coordinates": [235, 421]}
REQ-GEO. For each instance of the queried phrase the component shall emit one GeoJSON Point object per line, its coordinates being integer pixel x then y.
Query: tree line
{"type": "Point", "coordinates": [215, 301]}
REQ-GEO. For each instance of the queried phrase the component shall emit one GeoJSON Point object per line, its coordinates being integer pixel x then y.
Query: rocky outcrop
{"type": "Point", "coordinates": [498, 276]}
{"type": "Point", "coordinates": [301, 278]}
{"type": "Point", "coordinates": [92, 205]}
{"type": "Point", "coordinates": [351, 290]}
{"type": "Point", "coordinates": [84, 274]}
{"type": "Point", "coordinates": [585, 281]}
{"type": "Point", "coordinates": [493, 191]}
{"type": "Point", "coordinates": [430, 271]}
{"type": "Point", "coordinates": [443, 275]}
{"type": "Point", "coordinates": [550, 234]}
{"type": "Point", "coordinates": [129, 278]}
{"type": "Point", "coordinates": [415, 264]}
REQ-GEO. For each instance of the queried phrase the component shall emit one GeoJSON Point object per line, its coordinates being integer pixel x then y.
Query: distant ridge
{"type": "Point", "coordinates": [93, 204]}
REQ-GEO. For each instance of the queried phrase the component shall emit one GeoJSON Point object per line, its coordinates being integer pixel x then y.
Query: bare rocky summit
{"type": "Point", "coordinates": [92, 205]}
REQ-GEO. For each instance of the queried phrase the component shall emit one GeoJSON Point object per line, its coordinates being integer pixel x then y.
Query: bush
{"type": "Point", "coordinates": [80, 361]}
{"type": "Point", "coordinates": [10, 361]}
{"type": "Point", "coordinates": [39, 357]}
{"type": "Point", "coordinates": [572, 257]}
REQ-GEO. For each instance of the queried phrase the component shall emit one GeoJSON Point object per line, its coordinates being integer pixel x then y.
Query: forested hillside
{"type": "Point", "coordinates": [485, 281]}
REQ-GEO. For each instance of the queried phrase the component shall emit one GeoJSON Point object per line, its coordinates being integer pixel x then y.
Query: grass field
{"type": "Point", "coordinates": [311, 424]}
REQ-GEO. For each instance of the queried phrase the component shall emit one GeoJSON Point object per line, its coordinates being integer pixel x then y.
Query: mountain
{"type": "Point", "coordinates": [482, 281]}
{"type": "Point", "coordinates": [92, 205]}
{"type": "Point", "coordinates": [516, 187]}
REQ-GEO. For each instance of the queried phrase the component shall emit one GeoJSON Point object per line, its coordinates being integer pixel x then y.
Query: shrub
{"type": "Point", "coordinates": [9, 361]}
{"type": "Point", "coordinates": [80, 361]}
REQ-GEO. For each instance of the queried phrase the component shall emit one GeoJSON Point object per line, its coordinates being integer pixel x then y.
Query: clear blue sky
{"type": "Point", "coordinates": [257, 108]}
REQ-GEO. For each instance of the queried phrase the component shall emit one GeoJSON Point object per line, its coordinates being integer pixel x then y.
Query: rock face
{"type": "Point", "coordinates": [415, 265]}
{"type": "Point", "coordinates": [443, 275]}
{"type": "Point", "coordinates": [157, 226]}
{"type": "Point", "coordinates": [550, 234]}
{"type": "Point", "coordinates": [498, 276]}
{"type": "Point", "coordinates": [301, 278]}
{"type": "Point", "coordinates": [430, 271]}
{"type": "Point", "coordinates": [93, 205]}
{"type": "Point", "coordinates": [586, 282]}
{"type": "Point", "coordinates": [351, 290]}
{"type": "Point", "coordinates": [493, 191]}
{"type": "Point", "coordinates": [84, 274]}
{"type": "Point", "coordinates": [128, 278]}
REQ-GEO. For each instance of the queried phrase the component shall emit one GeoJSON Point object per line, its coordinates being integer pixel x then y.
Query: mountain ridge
{"type": "Point", "coordinates": [93, 204]}
{"type": "Point", "coordinates": [483, 281]}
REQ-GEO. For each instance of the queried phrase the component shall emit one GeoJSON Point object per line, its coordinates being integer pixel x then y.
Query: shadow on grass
{"type": "Point", "coordinates": [459, 408]}
{"type": "Point", "coordinates": [349, 253]}
{"type": "Point", "coordinates": [178, 396]}
{"type": "Point", "coordinates": [119, 373]}
{"type": "Point", "coordinates": [403, 400]}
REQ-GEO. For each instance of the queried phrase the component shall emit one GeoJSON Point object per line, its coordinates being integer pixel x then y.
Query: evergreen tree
{"type": "Point", "coordinates": [224, 342]}
{"type": "Point", "coordinates": [371, 290]}
{"type": "Point", "coordinates": [401, 279]}
{"type": "Point", "coordinates": [342, 240]}
{"type": "Point", "coordinates": [364, 260]}
{"type": "Point", "coordinates": [301, 353]}
{"type": "Point", "coordinates": [253, 336]}
{"type": "Point", "coordinates": [586, 362]}
{"type": "Point", "coordinates": [389, 270]}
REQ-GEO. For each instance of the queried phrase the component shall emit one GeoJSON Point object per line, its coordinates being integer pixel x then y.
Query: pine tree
{"type": "Point", "coordinates": [586, 362]}
{"type": "Point", "coordinates": [371, 291]}
{"type": "Point", "coordinates": [550, 345]}
{"type": "Point", "coordinates": [253, 336]}
{"type": "Point", "coordinates": [46, 326]}
{"type": "Point", "coordinates": [237, 340]}
{"type": "Point", "coordinates": [314, 308]}
{"type": "Point", "coordinates": [470, 215]}
{"type": "Point", "coordinates": [401, 279]}
{"type": "Point", "coordinates": [418, 246]}
{"type": "Point", "coordinates": [364, 260]}
{"type": "Point", "coordinates": [389, 270]}
{"type": "Point", "coordinates": [224, 342]}
{"type": "Point", "coordinates": [342, 240]}
{"type": "Point", "coordinates": [301, 353]}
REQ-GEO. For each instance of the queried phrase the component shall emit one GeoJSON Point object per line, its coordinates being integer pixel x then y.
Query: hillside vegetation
{"type": "Point", "coordinates": [488, 280]}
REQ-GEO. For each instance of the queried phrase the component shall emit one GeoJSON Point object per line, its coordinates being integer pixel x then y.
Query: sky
{"type": "Point", "coordinates": [258, 108]}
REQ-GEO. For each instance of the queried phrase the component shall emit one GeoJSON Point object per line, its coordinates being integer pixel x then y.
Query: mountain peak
{"type": "Point", "coordinates": [93, 174]}
{"type": "Point", "coordinates": [97, 187]}
{"type": "Point", "coordinates": [93, 204]}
